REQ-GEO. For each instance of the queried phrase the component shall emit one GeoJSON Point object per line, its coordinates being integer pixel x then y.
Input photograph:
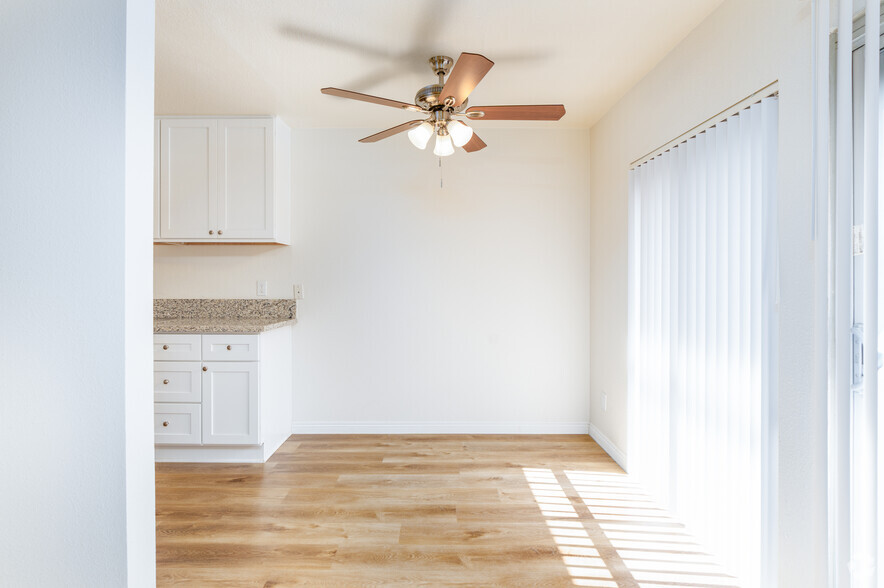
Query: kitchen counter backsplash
{"type": "Point", "coordinates": [224, 308]}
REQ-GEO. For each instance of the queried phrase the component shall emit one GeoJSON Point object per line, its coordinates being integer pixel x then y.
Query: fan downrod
{"type": "Point", "coordinates": [441, 65]}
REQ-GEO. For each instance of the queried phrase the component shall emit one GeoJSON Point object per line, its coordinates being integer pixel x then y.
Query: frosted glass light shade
{"type": "Point", "coordinates": [420, 135]}
{"type": "Point", "coordinates": [460, 133]}
{"type": "Point", "coordinates": [443, 145]}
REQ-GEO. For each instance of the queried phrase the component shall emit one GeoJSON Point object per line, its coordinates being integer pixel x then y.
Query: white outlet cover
{"type": "Point", "coordinates": [262, 287]}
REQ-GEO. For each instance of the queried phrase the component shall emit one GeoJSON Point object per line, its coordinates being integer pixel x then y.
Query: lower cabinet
{"type": "Point", "coordinates": [222, 398]}
{"type": "Point", "coordinates": [231, 403]}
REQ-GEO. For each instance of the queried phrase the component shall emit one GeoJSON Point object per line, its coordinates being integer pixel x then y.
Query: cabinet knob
{"type": "Point", "coordinates": [165, 346]}
{"type": "Point", "coordinates": [220, 231]}
{"type": "Point", "coordinates": [165, 381]}
{"type": "Point", "coordinates": [205, 369]}
{"type": "Point", "coordinates": [211, 232]}
{"type": "Point", "coordinates": [228, 348]}
{"type": "Point", "coordinates": [165, 423]}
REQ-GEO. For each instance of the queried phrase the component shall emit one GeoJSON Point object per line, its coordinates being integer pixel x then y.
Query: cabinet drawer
{"type": "Point", "coordinates": [230, 347]}
{"type": "Point", "coordinates": [176, 347]}
{"type": "Point", "coordinates": [177, 381]}
{"type": "Point", "coordinates": [177, 423]}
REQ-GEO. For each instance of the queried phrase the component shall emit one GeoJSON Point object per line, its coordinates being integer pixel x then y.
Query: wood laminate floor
{"type": "Point", "coordinates": [420, 510]}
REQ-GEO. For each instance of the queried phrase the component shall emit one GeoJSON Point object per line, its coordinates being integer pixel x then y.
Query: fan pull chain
{"type": "Point", "coordinates": [440, 173]}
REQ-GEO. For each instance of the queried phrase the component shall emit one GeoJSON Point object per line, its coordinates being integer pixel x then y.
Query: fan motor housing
{"type": "Point", "coordinates": [430, 98]}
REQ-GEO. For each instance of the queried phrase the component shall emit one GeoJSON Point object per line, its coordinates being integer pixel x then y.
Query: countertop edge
{"type": "Point", "coordinates": [233, 327]}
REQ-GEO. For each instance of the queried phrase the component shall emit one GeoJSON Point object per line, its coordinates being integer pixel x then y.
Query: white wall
{"type": "Point", "coordinates": [138, 296]}
{"type": "Point", "coordinates": [427, 309]}
{"type": "Point", "coordinates": [75, 160]}
{"type": "Point", "coordinates": [740, 48]}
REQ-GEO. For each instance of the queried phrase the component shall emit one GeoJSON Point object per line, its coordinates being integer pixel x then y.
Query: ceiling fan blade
{"type": "Point", "coordinates": [468, 71]}
{"type": "Point", "coordinates": [522, 112]}
{"type": "Point", "coordinates": [391, 131]}
{"type": "Point", "coordinates": [369, 98]}
{"type": "Point", "coordinates": [474, 144]}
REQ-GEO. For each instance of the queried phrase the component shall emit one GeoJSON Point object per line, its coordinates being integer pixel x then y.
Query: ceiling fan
{"type": "Point", "coordinates": [443, 101]}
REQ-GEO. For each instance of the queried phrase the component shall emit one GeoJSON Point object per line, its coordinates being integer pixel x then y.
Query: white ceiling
{"type": "Point", "coordinates": [273, 56]}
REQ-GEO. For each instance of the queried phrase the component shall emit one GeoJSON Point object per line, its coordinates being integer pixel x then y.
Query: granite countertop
{"type": "Point", "coordinates": [211, 315]}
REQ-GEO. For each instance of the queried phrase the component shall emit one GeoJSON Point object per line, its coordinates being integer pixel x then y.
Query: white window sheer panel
{"type": "Point", "coordinates": [702, 325]}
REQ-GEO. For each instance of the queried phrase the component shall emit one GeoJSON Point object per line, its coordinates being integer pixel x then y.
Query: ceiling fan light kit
{"type": "Point", "coordinates": [444, 146]}
{"type": "Point", "coordinates": [420, 135]}
{"type": "Point", "coordinates": [460, 132]}
{"type": "Point", "coordinates": [449, 98]}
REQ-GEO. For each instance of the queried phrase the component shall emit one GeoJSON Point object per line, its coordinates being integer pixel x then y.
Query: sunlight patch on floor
{"type": "Point", "coordinates": [611, 535]}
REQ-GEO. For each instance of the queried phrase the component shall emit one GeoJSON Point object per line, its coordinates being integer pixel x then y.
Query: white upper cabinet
{"type": "Point", "coordinates": [223, 180]}
{"type": "Point", "coordinates": [245, 190]}
{"type": "Point", "coordinates": [188, 178]}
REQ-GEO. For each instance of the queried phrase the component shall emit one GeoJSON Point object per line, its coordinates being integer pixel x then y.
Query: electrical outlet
{"type": "Point", "coordinates": [299, 291]}
{"type": "Point", "coordinates": [262, 288]}
{"type": "Point", "coordinates": [604, 402]}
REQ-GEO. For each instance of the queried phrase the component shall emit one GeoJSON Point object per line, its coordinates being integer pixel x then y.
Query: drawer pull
{"type": "Point", "coordinates": [165, 381]}
{"type": "Point", "coordinates": [228, 348]}
{"type": "Point", "coordinates": [165, 423]}
{"type": "Point", "coordinates": [205, 369]}
{"type": "Point", "coordinates": [211, 232]}
{"type": "Point", "coordinates": [220, 232]}
{"type": "Point", "coordinates": [165, 346]}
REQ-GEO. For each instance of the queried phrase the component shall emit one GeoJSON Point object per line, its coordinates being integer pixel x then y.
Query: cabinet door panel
{"type": "Point", "coordinates": [245, 190]}
{"type": "Point", "coordinates": [231, 403]}
{"type": "Point", "coordinates": [188, 178]}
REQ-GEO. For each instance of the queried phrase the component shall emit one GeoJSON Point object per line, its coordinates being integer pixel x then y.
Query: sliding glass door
{"type": "Point", "coordinates": [861, 433]}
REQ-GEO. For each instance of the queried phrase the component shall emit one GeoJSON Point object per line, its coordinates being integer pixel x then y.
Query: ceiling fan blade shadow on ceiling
{"type": "Point", "coordinates": [393, 64]}
{"type": "Point", "coordinates": [429, 21]}
{"type": "Point", "coordinates": [299, 33]}
{"type": "Point", "coordinates": [445, 101]}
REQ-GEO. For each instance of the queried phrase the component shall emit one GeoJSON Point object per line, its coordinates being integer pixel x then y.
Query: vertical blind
{"type": "Point", "coordinates": [702, 282]}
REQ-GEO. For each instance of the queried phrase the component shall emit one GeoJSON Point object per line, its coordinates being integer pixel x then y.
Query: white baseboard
{"type": "Point", "coordinates": [210, 454]}
{"type": "Point", "coordinates": [438, 428]}
{"type": "Point", "coordinates": [608, 446]}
